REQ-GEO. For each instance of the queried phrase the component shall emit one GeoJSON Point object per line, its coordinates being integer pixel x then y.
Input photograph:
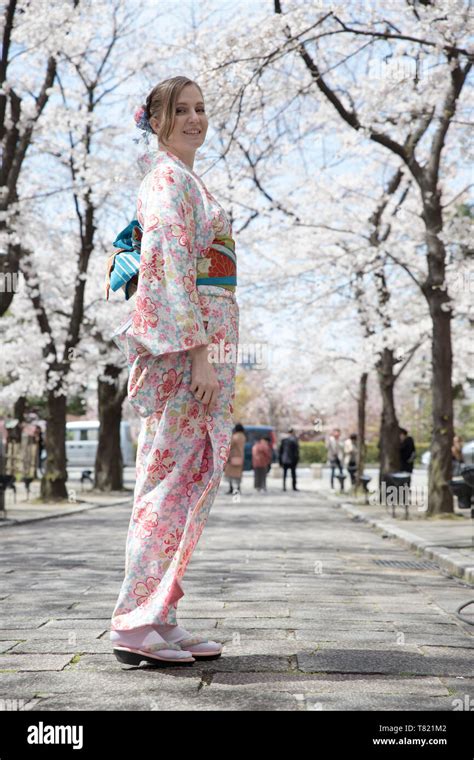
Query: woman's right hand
{"type": "Point", "coordinates": [204, 382]}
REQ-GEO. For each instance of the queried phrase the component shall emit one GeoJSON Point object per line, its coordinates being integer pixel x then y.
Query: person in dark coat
{"type": "Point", "coordinates": [40, 444]}
{"type": "Point", "coordinates": [288, 457]}
{"type": "Point", "coordinates": [407, 451]}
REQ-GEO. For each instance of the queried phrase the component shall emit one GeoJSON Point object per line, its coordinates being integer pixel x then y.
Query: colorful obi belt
{"type": "Point", "coordinates": [217, 267]}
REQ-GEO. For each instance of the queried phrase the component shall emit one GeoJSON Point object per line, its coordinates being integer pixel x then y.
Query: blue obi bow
{"type": "Point", "coordinates": [124, 264]}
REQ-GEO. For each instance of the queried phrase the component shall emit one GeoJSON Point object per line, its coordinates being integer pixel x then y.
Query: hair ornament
{"type": "Point", "coordinates": [141, 121]}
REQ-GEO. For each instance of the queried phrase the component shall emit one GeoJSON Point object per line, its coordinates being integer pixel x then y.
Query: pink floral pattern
{"type": "Point", "coordinates": [182, 447]}
{"type": "Point", "coordinates": [161, 465]}
{"type": "Point", "coordinates": [170, 384]}
{"type": "Point", "coordinates": [147, 520]}
{"type": "Point", "coordinates": [144, 589]}
{"type": "Point", "coordinates": [145, 315]}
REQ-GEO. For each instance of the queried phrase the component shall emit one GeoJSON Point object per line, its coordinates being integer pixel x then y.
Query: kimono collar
{"type": "Point", "coordinates": [160, 155]}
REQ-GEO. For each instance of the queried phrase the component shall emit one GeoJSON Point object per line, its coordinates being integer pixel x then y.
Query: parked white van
{"type": "Point", "coordinates": [81, 443]}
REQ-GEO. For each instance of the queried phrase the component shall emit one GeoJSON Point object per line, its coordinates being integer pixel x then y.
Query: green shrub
{"type": "Point", "coordinates": [315, 452]}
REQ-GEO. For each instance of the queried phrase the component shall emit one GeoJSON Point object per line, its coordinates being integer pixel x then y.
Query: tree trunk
{"type": "Point", "coordinates": [440, 499]}
{"type": "Point", "coordinates": [109, 462]}
{"type": "Point", "coordinates": [19, 409]}
{"type": "Point", "coordinates": [9, 277]}
{"type": "Point", "coordinates": [53, 482]}
{"type": "Point", "coordinates": [361, 401]}
{"type": "Point", "coordinates": [389, 457]}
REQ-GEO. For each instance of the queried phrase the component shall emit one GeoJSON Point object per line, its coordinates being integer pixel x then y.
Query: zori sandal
{"type": "Point", "coordinates": [132, 648]}
{"type": "Point", "coordinates": [198, 646]}
{"type": "Point", "coordinates": [131, 656]}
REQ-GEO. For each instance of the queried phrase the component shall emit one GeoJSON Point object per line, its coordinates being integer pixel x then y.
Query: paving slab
{"type": "Point", "coordinates": [290, 583]}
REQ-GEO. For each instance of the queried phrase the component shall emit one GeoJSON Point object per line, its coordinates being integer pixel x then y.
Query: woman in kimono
{"type": "Point", "coordinates": [181, 345]}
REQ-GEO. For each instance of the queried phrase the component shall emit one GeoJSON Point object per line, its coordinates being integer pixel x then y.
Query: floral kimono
{"type": "Point", "coordinates": [182, 447]}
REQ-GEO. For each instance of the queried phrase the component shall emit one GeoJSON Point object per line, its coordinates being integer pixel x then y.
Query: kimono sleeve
{"type": "Point", "coordinates": [167, 315]}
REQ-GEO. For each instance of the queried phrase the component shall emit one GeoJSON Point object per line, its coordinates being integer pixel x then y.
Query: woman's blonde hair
{"type": "Point", "coordinates": [161, 103]}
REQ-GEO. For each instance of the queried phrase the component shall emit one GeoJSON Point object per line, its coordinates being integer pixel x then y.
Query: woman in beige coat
{"type": "Point", "coordinates": [235, 462]}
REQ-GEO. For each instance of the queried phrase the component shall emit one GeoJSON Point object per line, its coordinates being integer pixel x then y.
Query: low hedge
{"type": "Point", "coordinates": [315, 452]}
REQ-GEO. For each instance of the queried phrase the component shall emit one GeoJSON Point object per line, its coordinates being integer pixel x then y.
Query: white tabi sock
{"type": "Point", "coordinates": [137, 637]}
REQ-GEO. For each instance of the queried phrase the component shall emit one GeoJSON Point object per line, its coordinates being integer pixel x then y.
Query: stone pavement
{"type": "Point", "coordinates": [447, 540]}
{"type": "Point", "coordinates": [288, 581]}
{"type": "Point", "coordinates": [27, 507]}
{"type": "Point", "coordinates": [38, 510]}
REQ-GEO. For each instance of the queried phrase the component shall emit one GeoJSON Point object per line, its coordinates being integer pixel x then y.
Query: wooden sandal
{"type": "Point", "coordinates": [133, 656]}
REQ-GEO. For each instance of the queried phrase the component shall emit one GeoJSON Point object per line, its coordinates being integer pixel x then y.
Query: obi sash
{"type": "Point", "coordinates": [217, 265]}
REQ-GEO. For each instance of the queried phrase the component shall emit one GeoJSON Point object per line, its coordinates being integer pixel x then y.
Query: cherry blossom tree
{"type": "Point", "coordinates": [38, 33]}
{"type": "Point", "coordinates": [77, 162]}
{"type": "Point", "coordinates": [396, 76]}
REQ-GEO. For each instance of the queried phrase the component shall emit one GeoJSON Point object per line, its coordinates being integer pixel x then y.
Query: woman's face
{"type": "Point", "coordinates": [190, 126]}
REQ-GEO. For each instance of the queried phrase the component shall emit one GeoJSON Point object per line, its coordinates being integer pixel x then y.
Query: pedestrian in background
{"type": "Point", "coordinates": [261, 458]}
{"type": "Point", "coordinates": [268, 441]}
{"type": "Point", "coordinates": [335, 454]}
{"type": "Point", "coordinates": [407, 452]}
{"type": "Point", "coordinates": [288, 457]}
{"type": "Point", "coordinates": [457, 455]}
{"type": "Point", "coordinates": [235, 462]}
{"type": "Point", "coordinates": [350, 456]}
